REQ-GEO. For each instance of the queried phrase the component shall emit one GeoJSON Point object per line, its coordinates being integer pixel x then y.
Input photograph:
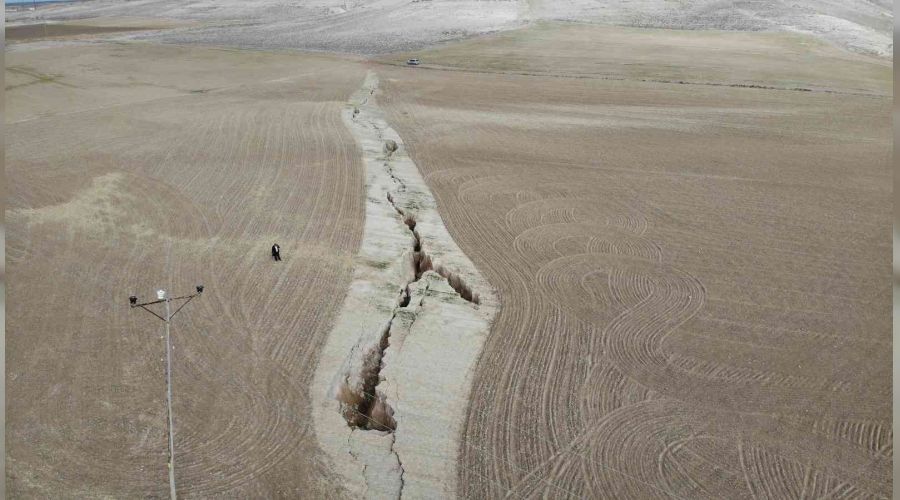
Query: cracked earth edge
{"type": "Point", "coordinates": [405, 338]}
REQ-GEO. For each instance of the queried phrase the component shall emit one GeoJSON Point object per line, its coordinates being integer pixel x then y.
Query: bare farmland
{"type": "Point", "coordinates": [694, 278]}
{"type": "Point", "coordinates": [168, 167]}
{"type": "Point", "coordinates": [686, 232]}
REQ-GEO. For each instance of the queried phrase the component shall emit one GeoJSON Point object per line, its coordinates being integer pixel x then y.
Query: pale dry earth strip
{"type": "Point", "coordinates": [393, 379]}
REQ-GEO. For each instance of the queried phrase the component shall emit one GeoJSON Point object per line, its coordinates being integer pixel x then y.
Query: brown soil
{"type": "Point", "coordinates": [32, 31]}
{"type": "Point", "coordinates": [715, 58]}
{"type": "Point", "coordinates": [695, 279]}
{"type": "Point", "coordinates": [693, 270]}
{"type": "Point", "coordinates": [144, 185]}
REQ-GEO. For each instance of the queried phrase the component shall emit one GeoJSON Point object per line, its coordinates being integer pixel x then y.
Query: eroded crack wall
{"type": "Point", "coordinates": [393, 380]}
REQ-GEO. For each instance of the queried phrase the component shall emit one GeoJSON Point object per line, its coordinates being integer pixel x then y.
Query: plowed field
{"type": "Point", "coordinates": [166, 167]}
{"type": "Point", "coordinates": [694, 275]}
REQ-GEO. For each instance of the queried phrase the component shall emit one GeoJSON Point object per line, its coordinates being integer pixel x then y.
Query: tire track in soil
{"type": "Point", "coordinates": [603, 271]}
{"type": "Point", "coordinates": [214, 179]}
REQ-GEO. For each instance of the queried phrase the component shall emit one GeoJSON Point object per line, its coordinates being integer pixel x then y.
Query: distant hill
{"type": "Point", "coordinates": [382, 26]}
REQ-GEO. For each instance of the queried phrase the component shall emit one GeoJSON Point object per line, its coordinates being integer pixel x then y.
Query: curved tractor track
{"type": "Point", "coordinates": [165, 187]}
{"type": "Point", "coordinates": [694, 288]}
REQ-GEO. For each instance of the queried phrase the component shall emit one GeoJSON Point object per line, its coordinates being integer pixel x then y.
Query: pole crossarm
{"type": "Point", "coordinates": [160, 301]}
{"type": "Point", "coordinates": [144, 305]}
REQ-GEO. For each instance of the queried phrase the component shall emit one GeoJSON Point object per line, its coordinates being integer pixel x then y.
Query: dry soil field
{"type": "Point", "coordinates": [134, 167]}
{"type": "Point", "coordinates": [687, 232]}
{"type": "Point", "coordinates": [694, 278]}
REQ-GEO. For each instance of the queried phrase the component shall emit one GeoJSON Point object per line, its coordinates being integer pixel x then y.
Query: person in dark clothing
{"type": "Point", "coordinates": [276, 252]}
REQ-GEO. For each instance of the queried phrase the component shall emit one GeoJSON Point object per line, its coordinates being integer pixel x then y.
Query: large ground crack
{"type": "Point", "coordinates": [422, 262]}
{"type": "Point", "coordinates": [409, 332]}
{"type": "Point", "coordinates": [366, 407]}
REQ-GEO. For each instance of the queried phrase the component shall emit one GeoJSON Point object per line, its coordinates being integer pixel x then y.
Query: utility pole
{"type": "Point", "coordinates": [163, 297]}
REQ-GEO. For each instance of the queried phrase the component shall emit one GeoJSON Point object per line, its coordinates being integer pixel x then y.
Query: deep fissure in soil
{"type": "Point", "coordinates": [365, 407]}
